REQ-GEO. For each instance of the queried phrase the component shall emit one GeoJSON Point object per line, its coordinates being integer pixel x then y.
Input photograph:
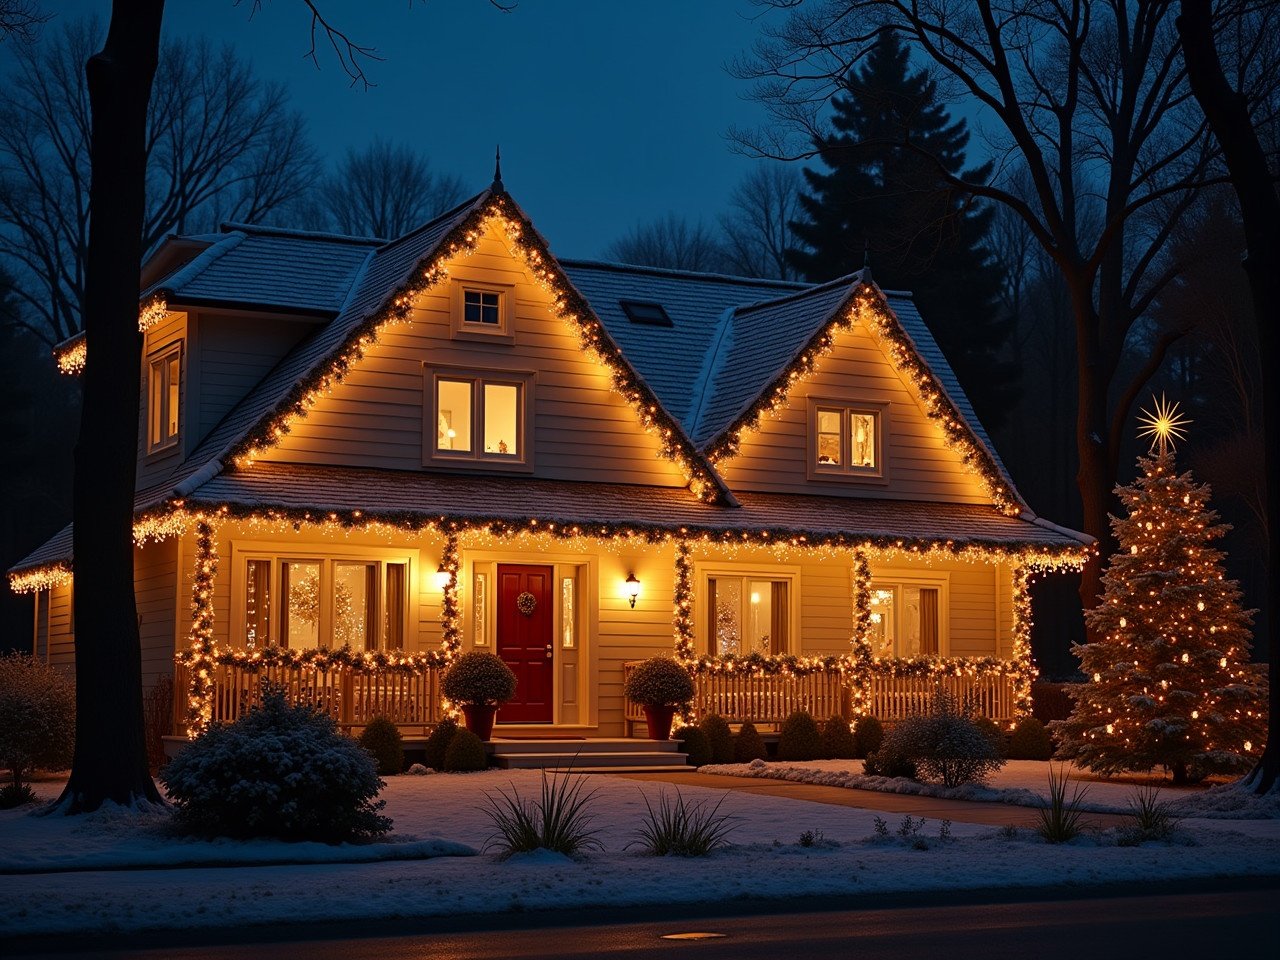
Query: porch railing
{"type": "Point", "coordinates": [896, 698]}
{"type": "Point", "coordinates": [351, 697]}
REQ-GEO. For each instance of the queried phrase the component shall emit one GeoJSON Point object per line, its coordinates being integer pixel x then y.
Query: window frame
{"type": "Point", "coordinates": [896, 579]}
{"type": "Point", "coordinates": [160, 360]}
{"type": "Point", "coordinates": [459, 329]}
{"type": "Point", "coordinates": [844, 471]}
{"type": "Point", "coordinates": [476, 458]}
{"type": "Point", "coordinates": [703, 573]}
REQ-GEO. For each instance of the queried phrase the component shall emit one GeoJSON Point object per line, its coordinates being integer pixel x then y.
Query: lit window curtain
{"type": "Point", "coordinates": [778, 639]}
{"type": "Point", "coordinates": [257, 604]}
{"type": "Point", "coordinates": [284, 604]}
{"type": "Point", "coordinates": [395, 606]}
{"type": "Point", "coordinates": [371, 607]}
{"type": "Point", "coordinates": [928, 621]}
{"type": "Point", "coordinates": [713, 643]}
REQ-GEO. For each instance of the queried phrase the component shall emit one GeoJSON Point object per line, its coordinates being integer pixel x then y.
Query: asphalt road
{"type": "Point", "coordinates": [1203, 925]}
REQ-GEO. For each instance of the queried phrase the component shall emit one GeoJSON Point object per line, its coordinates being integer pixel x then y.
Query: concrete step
{"type": "Point", "coordinates": [583, 747]}
{"type": "Point", "coordinates": [593, 761]}
{"type": "Point", "coordinates": [685, 769]}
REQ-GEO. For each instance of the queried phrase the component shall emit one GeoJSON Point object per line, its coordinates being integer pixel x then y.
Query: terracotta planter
{"type": "Point", "coordinates": [479, 717]}
{"type": "Point", "coordinates": [659, 721]}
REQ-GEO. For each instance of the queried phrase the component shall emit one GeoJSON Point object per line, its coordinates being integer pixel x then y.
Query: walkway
{"type": "Point", "coordinates": [932, 808]}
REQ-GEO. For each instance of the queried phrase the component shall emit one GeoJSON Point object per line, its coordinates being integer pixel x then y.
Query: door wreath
{"type": "Point", "coordinates": [526, 603]}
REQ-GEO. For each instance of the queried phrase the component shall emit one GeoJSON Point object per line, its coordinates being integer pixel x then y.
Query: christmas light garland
{"type": "Point", "coordinates": [70, 355]}
{"type": "Point", "coordinates": [35, 579]}
{"type": "Point", "coordinates": [682, 604]}
{"type": "Point", "coordinates": [199, 658]}
{"type": "Point", "coordinates": [861, 654]}
{"type": "Point", "coordinates": [1022, 623]}
{"type": "Point", "coordinates": [450, 607]}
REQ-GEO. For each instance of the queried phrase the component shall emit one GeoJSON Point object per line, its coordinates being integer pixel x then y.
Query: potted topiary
{"type": "Point", "coordinates": [480, 683]}
{"type": "Point", "coordinates": [660, 686]}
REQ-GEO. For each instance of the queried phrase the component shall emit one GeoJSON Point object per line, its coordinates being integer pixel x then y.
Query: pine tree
{"type": "Point", "coordinates": [923, 235]}
{"type": "Point", "coordinates": [1170, 683]}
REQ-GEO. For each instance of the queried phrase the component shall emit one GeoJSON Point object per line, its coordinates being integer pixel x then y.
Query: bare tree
{"type": "Point", "coordinates": [1088, 96]}
{"type": "Point", "coordinates": [757, 228]}
{"type": "Point", "coordinates": [672, 242]}
{"type": "Point", "coordinates": [21, 20]}
{"type": "Point", "coordinates": [385, 190]}
{"type": "Point", "coordinates": [219, 144]}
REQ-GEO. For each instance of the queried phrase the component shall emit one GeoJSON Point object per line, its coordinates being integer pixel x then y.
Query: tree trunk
{"type": "Point", "coordinates": [1228, 116]}
{"type": "Point", "coordinates": [110, 763]}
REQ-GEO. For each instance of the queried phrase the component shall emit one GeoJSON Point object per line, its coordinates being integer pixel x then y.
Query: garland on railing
{"type": "Point", "coordinates": [203, 644]}
{"type": "Point", "coordinates": [682, 604]}
{"type": "Point", "coordinates": [938, 668]}
{"type": "Point", "coordinates": [761, 665]}
{"type": "Point", "coordinates": [342, 658]}
{"type": "Point", "coordinates": [1022, 621]}
{"type": "Point", "coordinates": [450, 607]}
{"type": "Point", "coordinates": [862, 654]}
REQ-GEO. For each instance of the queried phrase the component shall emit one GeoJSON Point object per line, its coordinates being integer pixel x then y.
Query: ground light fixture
{"type": "Point", "coordinates": [632, 587]}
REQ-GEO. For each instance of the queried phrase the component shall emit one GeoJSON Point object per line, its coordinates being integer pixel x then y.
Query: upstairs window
{"type": "Point", "coordinates": [481, 307]}
{"type": "Point", "coordinates": [481, 310]}
{"type": "Point", "coordinates": [164, 398]}
{"type": "Point", "coordinates": [846, 440]}
{"type": "Point", "coordinates": [479, 417]}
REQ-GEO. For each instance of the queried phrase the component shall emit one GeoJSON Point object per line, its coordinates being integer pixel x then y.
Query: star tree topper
{"type": "Point", "coordinates": [1164, 426]}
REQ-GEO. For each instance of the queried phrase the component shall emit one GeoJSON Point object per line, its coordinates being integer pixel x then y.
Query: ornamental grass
{"type": "Point", "coordinates": [1061, 819]}
{"type": "Point", "coordinates": [558, 819]}
{"type": "Point", "coordinates": [682, 829]}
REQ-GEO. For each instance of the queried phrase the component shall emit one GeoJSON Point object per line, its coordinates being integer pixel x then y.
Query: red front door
{"type": "Point", "coordinates": [525, 640]}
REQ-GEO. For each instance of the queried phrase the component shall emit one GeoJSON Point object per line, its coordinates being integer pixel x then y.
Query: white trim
{"type": "Point", "coordinates": [459, 329]}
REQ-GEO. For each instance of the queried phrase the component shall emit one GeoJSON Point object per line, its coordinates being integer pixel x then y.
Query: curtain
{"type": "Point", "coordinates": [284, 604]}
{"type": "Point", "coordinates": [395, 606]}
{"type": "Point", "coordinates": [257, 604]}
{"type": "Point", "coordinates": [928, 621]}
{"type": "Point", "coordinates": [713, 641]}
{"type": "Point", "coordinates": [778, 639]}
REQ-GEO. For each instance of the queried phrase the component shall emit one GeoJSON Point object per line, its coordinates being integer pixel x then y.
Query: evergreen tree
{"type": "Point", "coordinates": [1170, 680]}
{"type": "Point", "coordinates": [923, 235]}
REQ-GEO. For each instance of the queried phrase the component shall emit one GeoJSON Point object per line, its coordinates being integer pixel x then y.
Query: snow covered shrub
{"type": "Point", "coordinates": [681, 829]}
{"type": "Point", "coordinates": [558, 820]}
{"type": "Point", "coordinates": [480, 678]}
{"type": "Point", "coordinates": [799, 738]}
{"type": "Point", "coordinates": [948, 746]}
{"type": "Point", "coordinates": [438, 743]}
{"type": "Point", "coordinates": [892, 759]}
{"type": "Point", "coordinates": [719, 737]}
{"type": "Point", "coordinates": [695, 745]}
{"type": "Point", "coordinates": [382, 739]}
{"type": "Point", "coordinates": [37, 718]}
{"type": "Point", "coordinates": [748, 745]}
{"type": "Point", "coordinates": [659, 682]}
{"type": "Point", "coordinates": [869, 733]}
{"type": "Point", "coordinates": [466, 753]}
{"type": "Point", "coordinates": [991, 730]}
{"type": "Point", "coordinates": [838, 741]}
{"type": "Point", "coordinates": [281, 770]}
{"type": "Point", "coordinates": [1030, 740]}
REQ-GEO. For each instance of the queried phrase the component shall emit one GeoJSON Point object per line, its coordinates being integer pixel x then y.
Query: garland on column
{"type": "Point", "coordinates": [200, 658]}
{"type": "Point", "coordinates": [450, 608]}
{"type": "Point", "coordinates": [1025, 668]}
{"type": "Point", "coordinates": [682, 605]}
{"type": "Point", "coordinates": [859, 679]}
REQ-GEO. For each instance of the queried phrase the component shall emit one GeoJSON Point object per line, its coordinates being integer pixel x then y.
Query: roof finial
{"type": "Point", "coordinates": [497, 186]}
{"type": "Point", "coordinates": [866, 260]}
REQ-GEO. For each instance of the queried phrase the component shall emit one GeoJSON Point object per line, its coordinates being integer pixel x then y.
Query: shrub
{"type": "Point", "coordinates": [838, 741]}
{"type": "Point", "coordinates": [12, 795]}
{"type": "Point", "coordinates": [695, 745]}
{"type": "Point", "coordinates": [558, 820]}
{"type": "Point", "coordinates": [748, 745]}
{"type": "Point", "coordinates": [1061, 819]}
{"type": "Point", "coordinates": [683, 829]}
{"type": "Point", "coordinates": [889, 761]}
{"type": "Point", "coordinates": [659, 682]}
{"type": "Point", "coordinates": [1050, 701]}
{"type": "Point", "coordinates": [944, 745]}
{"type": "Point", "coordinates": [799, 738]}
{"type": "Point", "coordinates": [466, 753]}
{"type": "Point", "coordinates": [995, 736]}
{"type": "Point", "coordinates": [478, 678]}
{"type": "Point", "coordinates": [279, 771]}
{"type": "Point", "coordinates": [1030, 740]}
{"type": "Point", "coordinates": [37, 717]}
{"type": "Point", "coordinates": [382, 739]}
{"type": "Point", "coordinates": [869, 733]}
{"type": "Point", "coordinates": [438, 743]}
{"type": "Point", "coordinates": [719, 737]}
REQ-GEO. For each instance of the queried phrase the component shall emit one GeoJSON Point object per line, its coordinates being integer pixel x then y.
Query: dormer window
{"type": "Point", "coordinates": [164, 398]}
{"type": "Point", "coordinates": [482, 310]}
{"type": "Point", "coordinates": [479, 416]}
{"type": "Point", "coordinates": [846, 440]}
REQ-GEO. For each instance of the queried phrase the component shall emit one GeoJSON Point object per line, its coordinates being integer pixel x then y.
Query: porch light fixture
{"type": "Point", "coordinates": [443, 577]}
{"type": "Point", "coordinates": [633, 589]}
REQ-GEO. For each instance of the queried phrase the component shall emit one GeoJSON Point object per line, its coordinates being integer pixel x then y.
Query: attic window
{"type": "Point", "coordinates": [651, 314]}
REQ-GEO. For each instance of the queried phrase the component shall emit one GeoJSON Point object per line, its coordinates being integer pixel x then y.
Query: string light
{"type": "Point", "coordinates": [71, 354]}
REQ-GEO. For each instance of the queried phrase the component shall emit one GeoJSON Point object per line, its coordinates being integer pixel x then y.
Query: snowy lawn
{"type": "Point", "coordinates": [1022, 783]}
{"type": "Point", "coordinates": [767, 860]}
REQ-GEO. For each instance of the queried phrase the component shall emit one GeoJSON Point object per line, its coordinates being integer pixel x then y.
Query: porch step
{"type": "Point", "coordinates": [588, 755]}
{"type": "Point", "coordinates": [584, 747]}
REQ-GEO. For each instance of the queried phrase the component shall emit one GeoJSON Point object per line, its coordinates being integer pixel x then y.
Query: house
{"type": "Point", "coordinates": [358, 457]}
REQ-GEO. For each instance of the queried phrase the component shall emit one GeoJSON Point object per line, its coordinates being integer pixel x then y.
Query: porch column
{"type": "Point", "coordinates": [861, 659]}
{"type": "Point", "coordinates": [1025, 666]}
{"type": "Point", "coordinates": [682, 604]}
{"type": "Point", "coordinates": [450, 606]}
{"type": "Point", "coordinates": [200, 658]}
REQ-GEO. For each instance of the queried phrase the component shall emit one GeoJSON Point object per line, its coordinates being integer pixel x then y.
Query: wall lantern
{"type": "Point", "coordinates": [633, 589]}
{"type": "Point", "coordinates": [443, 578]}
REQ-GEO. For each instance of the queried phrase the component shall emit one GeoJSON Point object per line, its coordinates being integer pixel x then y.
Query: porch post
{"type": "Point", "coordinates": [682, 605]}
{"type": "Point", "coordinates": [862, 656]}
{"type": "Point", "coordinates": [450, 608]}
{"type": "Point", "coordinates": [1025, 666]}
{"type": "Point", "coordinates": [200, 657]}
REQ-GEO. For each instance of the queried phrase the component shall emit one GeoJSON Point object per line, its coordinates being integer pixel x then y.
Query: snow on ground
{"type": "Point", "coordinates": [1022, 783]}
{"type": "Point", "coordinates": [766, 861]}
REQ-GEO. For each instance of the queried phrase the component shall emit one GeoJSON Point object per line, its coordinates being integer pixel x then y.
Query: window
{"type": "Point", "coordinates": [481, 306]}
{"type": "Point", "coordinates": [362, 604]}
{"type": "Point", "coordinates": [906, 619]}
{"type": "Point", "coordinates": [480, 310]}
{"type": "Point", "coordinates": [651, 314]}
{"type": "Point", "coordinates": [568, 612]}
{"type": "Point", "coordinates": [164, 400]}
{"type": "Point", "coordinates": [480, 416]}
{"type": "Point", "coordinates": [480, 610]}
{"type": "Point", "coordinates": [846, 440]}
{"type": "Point", "coordinates": [748, 615]}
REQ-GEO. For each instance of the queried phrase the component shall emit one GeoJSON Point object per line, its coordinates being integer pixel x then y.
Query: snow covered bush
{"type": "Point", "coordinates": [838, 741]}
{"type": "Point", "coordinates": [748, 745]}
{"type": "Point", "coordinates": [1030, 740]}
{"type": "Point", "coordinates": [37, 720]}
{"type": "Point", "coordinates": [944, 745]}
{"type": "Point", "coordinates": [659, 682]}
{"type": "Point", "coordinates": [695, 745]}
{"type": "Point", "coordinates": [438, 743]}
{"type": "Point", "coordinates": [480, 678]}
{"type": "Point", "coordinates": [799, 738]}
{"type": "Point", "coordinates": [991, 730]}
{"type": "Point", "coordinates": [466, 753]}
{"type": "Point", "coordinates": [383, 741]}
{"type": "Point", "coordinates": [869, 732]}
{"type": "Point", "coordinates": [892, 759]}
{"type": "Point", "coordinates": [281, 770]}
{"type": "Point", "coordinates": [719, 737]}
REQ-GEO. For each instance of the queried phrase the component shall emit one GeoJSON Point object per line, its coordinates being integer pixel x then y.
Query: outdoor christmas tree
{"type": "Point", "coordinates": [1170, 682]}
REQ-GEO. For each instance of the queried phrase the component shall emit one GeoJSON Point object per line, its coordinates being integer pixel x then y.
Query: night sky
{"type": "Point", "coordinates": [608, 112]}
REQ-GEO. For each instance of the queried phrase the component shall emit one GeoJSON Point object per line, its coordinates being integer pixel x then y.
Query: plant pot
{"type": "Point", "coordinates": [659, 721]}
{"type": "Point", "coordinates": [479, 718]}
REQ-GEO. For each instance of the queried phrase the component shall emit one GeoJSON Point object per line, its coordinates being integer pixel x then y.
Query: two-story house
{"type": "Point", "coordinates": [357, 457]}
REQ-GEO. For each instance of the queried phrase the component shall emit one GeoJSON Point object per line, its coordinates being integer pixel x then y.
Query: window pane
{"type": "Point", "coordinates": [471, 306]}
{"type": "Point", "coordinates": [862, 440]}
{"type": "Point", "coordinates": [353, 601]}
{"type": "Point", "coordinates": [502, 419]}
{"type": "Point", "coordinates": [174, 395]}
{"type": "Point", "coordinates": [728, 617]}
{"type": "Point", "coordinates": [393, 630]}
{"type": "Point", "coordinates": [882, 621]}
{"type": "Point", "coordinates": [479, 610]}
{"type": "Point", "coordinates": [829, 437]}
{"type": "Point", "coordinates": [257, 604]}
{"type": "Point", "coordinates": [759, 617]}
{"type": "Point", "coordinates": [453, 415]}
{"type": "Point", "coordinates": [909, 644]}
{"type": "Point", "coordinates": [155, 403]}
{"type": "Point", "coordinates": [568, 611]}
{"type": "Point", "coordinates": [300, 591]}
{"type": "Point", "coordinates": [480, 306]}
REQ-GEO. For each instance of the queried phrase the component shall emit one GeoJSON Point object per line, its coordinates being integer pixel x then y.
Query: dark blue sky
{"type": "Point", "coordinates": [608, 112]}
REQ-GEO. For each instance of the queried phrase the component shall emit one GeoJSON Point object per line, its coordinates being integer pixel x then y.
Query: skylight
{"type": "Point", "coordinates": [649, 313]}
